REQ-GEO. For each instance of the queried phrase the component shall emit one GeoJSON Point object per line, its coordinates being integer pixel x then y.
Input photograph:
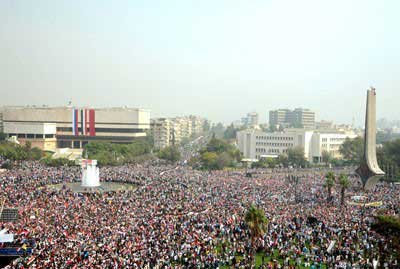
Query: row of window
{"type": "Point", "coordinates": [264, 150]}
{"type": "Point", "coordinates": [274, 144]}
{"type": "Point", "coordinates": [105, 130]}
{"type": "Point", "coordinates": [33, 136]}
{"type": "Point", "coordinates": [274, 138]}
{"type": "Point", "coordinates": [333, 139]}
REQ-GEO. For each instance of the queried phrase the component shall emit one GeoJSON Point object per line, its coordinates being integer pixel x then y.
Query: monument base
{"type": "Point", "coordinates": [368, 178]}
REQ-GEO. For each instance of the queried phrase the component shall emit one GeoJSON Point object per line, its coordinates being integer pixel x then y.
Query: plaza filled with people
{"type": "Point", "coordinates": [178, 217]}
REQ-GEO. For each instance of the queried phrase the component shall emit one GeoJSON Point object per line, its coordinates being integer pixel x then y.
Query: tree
{"type": "Point", "coordinates": [218, 154]}
{"type": "Point", "coordinates": [209, 160]}
{"type": "Point", "coordinates": [296, 156]}
{"type": "Point", "coordinates": [230, 132]}
{"type": "Point", "coordinates": [344, 183]}
{"type": "Point", "coordinates": [326, 156]}
{"type": "Point", "coordinates": [206, 126]}
{"type": "Point", "coordinates": [115, 154]}
{"type": "Point", "coordinates": [283, 160]}
{"type": "Point", "coordinates": [171, 153]}
{"type": "Point", "coordinates": [3, 136]}
{"type": "Point", "coordinates": [257, 223]}
{"type": "Point", "coordinates": [352, 149]}
{"type": "Point", "coordinates": [265, 163]}
{"type": "Point", "coordinates": [329, 182]}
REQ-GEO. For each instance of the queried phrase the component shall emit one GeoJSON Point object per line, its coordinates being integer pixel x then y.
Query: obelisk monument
{"type": "Point", "coordinates": [369, 170]}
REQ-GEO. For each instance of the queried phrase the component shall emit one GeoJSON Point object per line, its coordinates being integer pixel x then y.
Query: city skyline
{"type": "Point", "coordinates": [216, 60]}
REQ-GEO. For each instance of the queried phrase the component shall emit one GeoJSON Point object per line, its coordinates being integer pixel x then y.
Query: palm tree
{"type": "Point", "coordinates": [257, 223]}
{"type": "Point", "coordinates": [329, 182]}
{"type": "Point", "coordinates": [344, 183]}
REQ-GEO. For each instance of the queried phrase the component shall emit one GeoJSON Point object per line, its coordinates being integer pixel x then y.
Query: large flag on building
{"type": "Point", "coordinates": [87, 120]}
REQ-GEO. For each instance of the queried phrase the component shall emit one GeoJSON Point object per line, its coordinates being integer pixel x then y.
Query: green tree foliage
{"type": "Point", "coordinates": [218, 130]}
{"type": "Point", "coordinates": [115, 154]}
{"type": "Point", "coordinates": [171, 154]}
{"type": "Point", "coordinates": [391, 151]}
{"type": "Point", "coordinates": [206, 126]}
{"type": "Point", "coordinates": [283, 160]}
{"type": "Point", "coordinates": [326, 157]}
{"type": "Point", "coordinates": [3, 136]}
{"type": "Point", "coordinates": [296, 156]}
{"type": "Point", "coordinates": [329, 182]}
{"type": "Point", "coordinates": [230, 132]}
{"type": "Point", "coordinates": [389, 226]}
{"type": "Point", "coordinates": [257, 223]}
{"type": "Point", "coordinates": [57, 162]}
{"type": "Point", "coordinates": [218, 154]}
{"type": "Point", "coordinates": [344, 183]}
{"type": "Point", "coordinates": [265, 163]}
{"type": "Point", "coordinates": [352, 150]}
{"type": "Point", "coordinates": [15, 152]}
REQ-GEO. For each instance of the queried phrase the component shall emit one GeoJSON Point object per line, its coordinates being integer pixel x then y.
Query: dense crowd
{"type": "Point", "coordinates": [183, 218]}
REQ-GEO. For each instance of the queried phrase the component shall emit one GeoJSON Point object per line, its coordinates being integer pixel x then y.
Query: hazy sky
{"type": "Point", "coordinates": [218, 59]}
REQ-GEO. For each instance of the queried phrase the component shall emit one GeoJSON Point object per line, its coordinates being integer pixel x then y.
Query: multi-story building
{"type": "Point", "coordinates": [171, 131]}
{"type": "Point", "coordinates": [251, 119]}
{"type": "Point", "coordinates": [73, 127]}
{"type": "Point", "coordinates": [298, 118]}
{"type": "Point", "coordinates": [279, 117]}
{"type": "Point", "coordinates": [324, 125]}
{"type": "Point", "coordinates": [302, 118]}
{"type": "Point", "coordinates": [255, 144]}
{"type": "Point", "coordinates": [161, 130]}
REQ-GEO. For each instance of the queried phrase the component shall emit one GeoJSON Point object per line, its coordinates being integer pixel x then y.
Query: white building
{"type": "Point", "coordinates": [171, 131]}
{"type": "Point", "coordinates": [255, 144]}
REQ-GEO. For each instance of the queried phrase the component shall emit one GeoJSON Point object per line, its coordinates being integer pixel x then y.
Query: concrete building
{"type": "Point", "coordinates": [302, 118]}
{"type": "Point", "coordinates": [161, 130]}
{"type": "Point", "coordinates": [76, 127]}
{"type": "Point", "coordinates": [324, 125]}
{"type": "Point", "coordinates": [279, 117]}
{"type": "Point", "coordinates": [41, 135]}
{"type": "Point", "coordinates": [298, 118]}
{"type": "Point", "coordinates": [172, 131]}
{"type": "Point", "coordinates": [251, 119]}
{"type": "Point", "coordinates": [255, 144]}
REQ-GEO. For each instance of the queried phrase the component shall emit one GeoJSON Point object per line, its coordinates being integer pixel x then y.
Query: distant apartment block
{"type": "Point", "coordinates": [171, 131]}
{"type": "Point", "coordinates": [298, 118]}
{"type": "Point", "coordinates": [250, 120]}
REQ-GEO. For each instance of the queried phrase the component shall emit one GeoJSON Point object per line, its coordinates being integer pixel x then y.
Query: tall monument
{"type": "Point", "coordinates": [369, 170]}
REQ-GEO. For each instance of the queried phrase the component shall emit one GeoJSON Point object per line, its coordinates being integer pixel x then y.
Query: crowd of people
{"type": "Point", "coordinates": [178, 217]}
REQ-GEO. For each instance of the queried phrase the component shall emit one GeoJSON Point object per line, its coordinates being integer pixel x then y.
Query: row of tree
{"type": "Point", "coordinates": [16, 152]}
{"type": "Point", "coordinates": [388, 154]}
{"type": "Point", "coordinates": [294, 157]}
{"type": "Point", "coordinates": [116, 154]}
{"type": "Point", "coordinates": [217, 154]}
{"type": "Point", "coordinates": [342, 180]}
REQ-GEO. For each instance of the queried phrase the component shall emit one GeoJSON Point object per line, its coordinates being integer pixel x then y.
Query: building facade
{"type": "Point", "coordinates": [298, 118]}
{"type": "Point", "coordinates": [172, 131]}
{"type": "Point", "coordinates": [75, 127]}
{"type": "Point", "coordinates": [251, 119]}
{"type": "Point", "coordinates": [255, 144]}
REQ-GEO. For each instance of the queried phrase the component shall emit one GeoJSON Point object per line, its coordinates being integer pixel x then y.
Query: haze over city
{"type": "Point", "coordinates": [217, 59]}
